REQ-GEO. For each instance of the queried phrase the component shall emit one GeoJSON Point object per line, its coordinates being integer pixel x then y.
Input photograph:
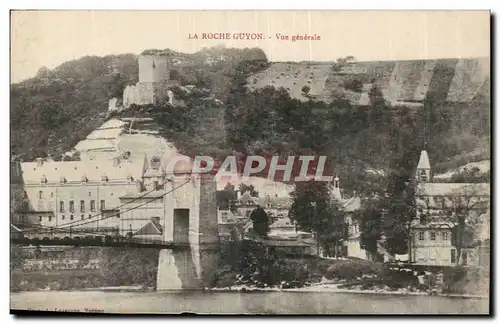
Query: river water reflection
{"type": "Point", "coordinates": [240, 303]}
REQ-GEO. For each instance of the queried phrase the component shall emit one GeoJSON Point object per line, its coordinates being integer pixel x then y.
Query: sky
{"type": "Point", "coordinates": [49, 38]}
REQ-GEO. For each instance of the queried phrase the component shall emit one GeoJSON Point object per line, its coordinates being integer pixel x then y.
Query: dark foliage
{"type": "Point", "coordinates": [260, 221]}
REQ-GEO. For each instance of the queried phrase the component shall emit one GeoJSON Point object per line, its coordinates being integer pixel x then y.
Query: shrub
{"type": "Point", "coordinates": [398, 279]}
{"type": "Point", "coordinates": [352, 270]}
{"type": "Point", "coordinates": [355, 85]}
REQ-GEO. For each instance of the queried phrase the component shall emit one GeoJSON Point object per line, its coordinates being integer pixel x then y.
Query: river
{"type": "Point", "coordinates": [245, 303]}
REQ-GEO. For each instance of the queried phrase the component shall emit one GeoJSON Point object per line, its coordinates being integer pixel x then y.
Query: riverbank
{"type": "Point", "coordinates": [334, 288]}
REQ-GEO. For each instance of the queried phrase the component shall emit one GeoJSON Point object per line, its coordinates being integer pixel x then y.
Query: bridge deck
{"type": "Point", "coordinates": [103, 243]}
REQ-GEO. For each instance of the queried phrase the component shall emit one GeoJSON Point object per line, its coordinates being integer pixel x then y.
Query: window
{"type": "Point", "coordinates": [40, 194]}
{"type": "Point", "coordinates": [83, 217]}
{"type": "Point", "coordinates": [90, 194]}
{"type": "Point", "coordinates": [61, 207]}
{"type": "Point", "coordinates": [71, 206]}
{"type": "Point", "coordinates": [92, 205]}
{"type": "Point", "coordinates": [433, 236]}
{"type": "Point", "coordinates": [155, 185]}
{"type": "Point", "coordinates": [51, 195]}
{"type": "Point", "coordinates": [90, 216]}
{"type": "Point", "coordinates": [62, 217]}
{"type": "Point", "coordinates": [118, 214]}
{"type": "Point", "coordinates": [103, 205]}
{"type": "Point", "coordinates": [71, 217]}
{"type": "Point", "coordinates": [464, 258]}
{"type": "Point", "coordinates": [444, 236]}
{"type": "Point", "coordinates": [50, 218]}
{"type": "Point", "coordinates": [421, 236]}
{"type": "Point", "coordinates": [40, 218]}
{"type": "Point", "coordinates": [82, 205]}
{"type": "Point", "coordinates": [453, 256]}
{"type": "Point", "coordinates": [423, 175]}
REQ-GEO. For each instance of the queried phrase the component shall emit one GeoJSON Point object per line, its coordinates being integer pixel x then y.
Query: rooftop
{"type": "Point", "coordinates": [453, 189]}
{"type": "Point", "coordinates": [423, 162]}
{"type": "Point", "coordinates": [78, 171]}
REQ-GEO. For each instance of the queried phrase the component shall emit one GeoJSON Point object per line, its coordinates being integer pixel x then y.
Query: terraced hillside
{"type": "Point", "coordinates": [454, 80]}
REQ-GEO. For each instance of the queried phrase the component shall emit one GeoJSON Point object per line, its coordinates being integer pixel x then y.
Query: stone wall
{"type": "Point", "coordinates": [154, 68]}
{"type": "Point", "coordinates": [148, 93]}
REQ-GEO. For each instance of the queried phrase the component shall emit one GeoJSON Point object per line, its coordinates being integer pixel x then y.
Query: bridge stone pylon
{"type": "Point", "coordinates": [190, 220]}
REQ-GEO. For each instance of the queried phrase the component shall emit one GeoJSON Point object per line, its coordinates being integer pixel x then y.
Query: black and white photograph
{"type": "Point", "coordinates": [253, 162]}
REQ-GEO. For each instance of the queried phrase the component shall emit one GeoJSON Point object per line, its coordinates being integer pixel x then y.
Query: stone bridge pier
{"type": "Point", "coordinates": [190, 220]}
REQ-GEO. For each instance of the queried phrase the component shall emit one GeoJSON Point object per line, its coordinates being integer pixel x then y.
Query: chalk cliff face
{"type": "Point", "coordinates": [455, 80]}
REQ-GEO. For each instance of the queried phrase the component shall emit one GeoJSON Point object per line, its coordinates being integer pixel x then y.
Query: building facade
{"type": "Point", "coordinates": [352, 243]}
{"type": "Point", "coordinates": [70, 195]}
{"type": "Point", "coordinates": [127, 197]}
{"type": "Point", "coordinates": [448, 218]}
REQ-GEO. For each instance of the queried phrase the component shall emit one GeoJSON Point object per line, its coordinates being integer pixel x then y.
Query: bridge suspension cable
{"type": "Point", "coordinates": [64, 229]}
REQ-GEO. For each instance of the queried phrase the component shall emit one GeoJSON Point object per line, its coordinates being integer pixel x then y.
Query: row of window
{"type": "Point", "coordinates": [41, 195]}
{"type": "Point", "coordinates": [443, 200]}
{"type": "Point", "coordinates": [71, 217]}
{"type": "Point", "coordinates": [82, 206]}
{"type": "Point", "coordinates": [433, 236]}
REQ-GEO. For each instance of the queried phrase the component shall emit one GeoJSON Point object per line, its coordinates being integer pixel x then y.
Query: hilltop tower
{"type": "Point", "coordinates": [423, 168]}
{"type": "Point", "coordinates": [154, 81]}
{"type": "Point", "coordinates": [154, 68]}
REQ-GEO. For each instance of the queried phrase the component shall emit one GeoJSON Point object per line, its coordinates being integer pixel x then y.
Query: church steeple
{"type": "Point", "coordinates": [423, 168]}
{"type": "Point", "coordinates": [336, 189]}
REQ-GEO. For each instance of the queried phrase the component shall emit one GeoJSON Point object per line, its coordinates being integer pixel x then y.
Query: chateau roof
{"type": "Point", "coordinates": [453, 189]}
{"type": "Point", "coordinates": [76, 171]}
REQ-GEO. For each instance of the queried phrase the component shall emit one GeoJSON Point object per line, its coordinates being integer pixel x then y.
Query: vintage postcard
{"type": "Point", "coordinates": [250, 162]}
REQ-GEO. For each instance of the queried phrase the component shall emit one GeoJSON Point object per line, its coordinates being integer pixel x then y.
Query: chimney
{"type": "Point", "coordinates": [39, 161]}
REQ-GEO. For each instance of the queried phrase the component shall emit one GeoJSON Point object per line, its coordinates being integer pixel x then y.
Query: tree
{"type": "Point", "coordinates": [260, 221]}
{"type": "Point", "coordinates": [370, 219]}
{"type": "Point", "coordinates": [341, 62]}
{"type": "Point", "coordinates": [314, 211]}
{"type": "Point", "coordinates": [380, 109]}
{"type": "Point", "coordinates": [250, 188]}
{"type": "Point", "coordinates": [226, 197]}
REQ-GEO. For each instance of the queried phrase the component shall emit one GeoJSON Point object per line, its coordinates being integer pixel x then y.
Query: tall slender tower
{"type": "Point", "coordinates": [423, 168]}
{"type": "Point", "coordinates": [337, 195]}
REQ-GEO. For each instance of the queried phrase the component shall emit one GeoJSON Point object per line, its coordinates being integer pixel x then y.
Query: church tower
{"type": "Point", "coordinates": [423, 168]}
{"type": "Point", "coordinates": [336, 189]}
